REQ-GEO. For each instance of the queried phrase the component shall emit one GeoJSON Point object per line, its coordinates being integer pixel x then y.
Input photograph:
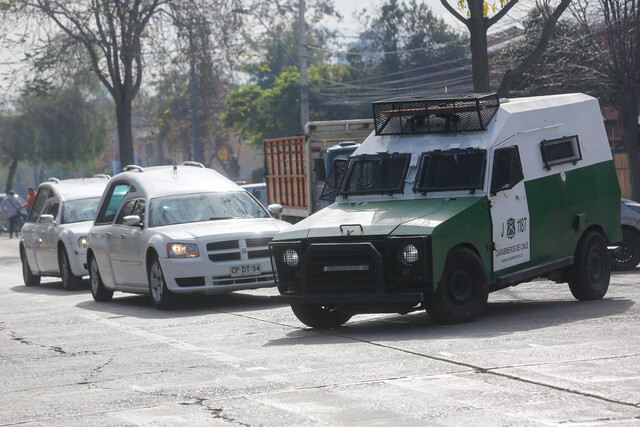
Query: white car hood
{"type": "Point", "coordinates": [216, 229]}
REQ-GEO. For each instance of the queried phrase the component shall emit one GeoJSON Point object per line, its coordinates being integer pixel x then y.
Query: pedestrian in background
{"type": "Point", "coordinates": [12, 204]}
{"type": "Point", "coordinates": [31, 196]}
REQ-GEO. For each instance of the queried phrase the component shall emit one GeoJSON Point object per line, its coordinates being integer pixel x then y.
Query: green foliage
{"type": "Point", "coordinates": [254, 113]}
{"type": "Point", "coordinates": [61, 128]}
{"type": "Point", "coordinates": [410, 35]}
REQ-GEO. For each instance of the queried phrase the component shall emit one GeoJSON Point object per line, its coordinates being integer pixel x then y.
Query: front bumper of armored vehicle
{"type": "Point", "coordinates": [374, 274]}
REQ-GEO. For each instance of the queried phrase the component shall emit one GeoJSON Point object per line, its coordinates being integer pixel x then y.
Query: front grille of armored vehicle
{"type": "Point", "coordinates": [445, 114]}
{"type": "Point", "coordinates": [346, 267]}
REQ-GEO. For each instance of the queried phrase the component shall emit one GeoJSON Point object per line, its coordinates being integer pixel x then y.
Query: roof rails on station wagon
{"type": "Point", "coordinates": [192, 163]}
{"type": "Point", "coordinates": [53, 179]}
{"type": "Point", "coordinates": [102, 175]}
{"type": "Point", "coordinates": [131, 168]}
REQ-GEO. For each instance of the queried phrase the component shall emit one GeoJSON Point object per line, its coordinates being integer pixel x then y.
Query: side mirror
{"type": "Point", "coordinates": [131, 220]}
{"type": "Point", "coordinates": [46, 219]}
{"type": "Point", "coordinates": [275, 210]}
{"type": "Point", "coordinates": [320, 169]}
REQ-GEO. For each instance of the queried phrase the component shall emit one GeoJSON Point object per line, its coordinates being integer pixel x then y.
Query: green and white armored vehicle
{"type": "Point", "coordinates": [452, 198]}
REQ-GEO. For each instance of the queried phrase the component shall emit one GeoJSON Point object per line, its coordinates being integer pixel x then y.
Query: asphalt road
{"type": "Point", "coordinates": [535, 357]}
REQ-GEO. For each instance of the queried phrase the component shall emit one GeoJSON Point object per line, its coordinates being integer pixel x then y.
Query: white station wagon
{"type": "Point", "coordinates": [182, 229]}
{"type": "Point", "coordinates": [54, 238]}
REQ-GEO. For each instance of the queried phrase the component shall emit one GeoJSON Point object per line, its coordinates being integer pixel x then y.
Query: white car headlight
{"type": "Point", "coordinates": [82, 242]}
{"type": "Point", "coordinates": [182, 250]}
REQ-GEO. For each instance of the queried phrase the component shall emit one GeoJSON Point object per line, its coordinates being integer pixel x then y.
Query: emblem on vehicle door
{"type": "Point", "coordinates": [511, 228]}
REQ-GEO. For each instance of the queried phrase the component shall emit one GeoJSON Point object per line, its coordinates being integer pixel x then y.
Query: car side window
{"type": "Point", "coordinates": [132, 207]}
{"type": "Point", "coordinates": [112, 203]}
{"type": "Point", "coordinates": [51, 209]}
{"type": "Point", "coordinates": [38, 204]}
{"type": "Point", "coordinates": [139, 209]}
{"type": "Point", "coordinates": [126, 210]}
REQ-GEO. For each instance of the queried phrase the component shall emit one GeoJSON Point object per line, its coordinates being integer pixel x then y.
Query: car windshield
{"type": "Point", "coordinates": [451, 170]}
{"type": "Point", "coordinates": [80, 210]}
{"type": "Point", "coordinates": [187, 208]}
{"type": "Point", "coordinates": [378, 173]}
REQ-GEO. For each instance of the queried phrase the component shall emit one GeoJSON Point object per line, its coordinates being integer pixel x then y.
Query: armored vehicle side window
{"type": "Point", "coordinates": [38, 204]}
{"type": "Point", "coordinates": [450, 170]}
{"type": "Point", "coordinates": [376, 174]}
{"type": "Point", "coordinates": [333, 183]}
{"type": "Point", "coordinates": [561, 150]}
{"type": "Point", "coordinates": [112, 203]}
{"type": "Point", "coordinates": [507, 169]}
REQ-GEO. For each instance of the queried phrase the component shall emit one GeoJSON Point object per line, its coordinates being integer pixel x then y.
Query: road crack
{"type": "Point", "coordinates": [474, 368]}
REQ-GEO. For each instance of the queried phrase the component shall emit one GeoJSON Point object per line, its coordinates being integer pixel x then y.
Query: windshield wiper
{"type": "Point", "coordinates": [214, 218]}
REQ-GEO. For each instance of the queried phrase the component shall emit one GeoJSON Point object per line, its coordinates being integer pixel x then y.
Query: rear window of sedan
{"type": "Point", "coordinates": [185, 208]}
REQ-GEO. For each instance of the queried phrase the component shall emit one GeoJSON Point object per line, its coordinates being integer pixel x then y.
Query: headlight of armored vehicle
{"type": "Point", "coordinates": [82, 242]}
{"type": "Point", "coordinates": [410, 253]}
{"type": "Point", "coordinates": [291, 257]}
{"type": "Point", "coordinates": [182, 250]}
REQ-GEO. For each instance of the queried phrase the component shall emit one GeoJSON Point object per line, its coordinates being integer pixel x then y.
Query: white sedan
{"type": "Point", "coordinates": [54, 237]}
{"type": "Point", "coordinates": [182, 229]}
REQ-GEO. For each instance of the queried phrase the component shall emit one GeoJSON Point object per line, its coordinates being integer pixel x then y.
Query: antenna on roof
{"type": "Point", "coordinates": [175, 161]}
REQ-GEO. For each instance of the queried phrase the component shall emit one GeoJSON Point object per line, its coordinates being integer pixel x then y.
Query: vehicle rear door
{"type": "Point", "coordinates": [47, 238]}
{"type": "Point", "coordinates": [128, 245]}
{"type": "Point", "coordinates": [101, 234]}
{"type": "Point", "coordinates": [29, 230]}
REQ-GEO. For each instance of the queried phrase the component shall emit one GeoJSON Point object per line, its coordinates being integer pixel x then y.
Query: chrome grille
{"type": "Point", "coordinates": [239, 250]}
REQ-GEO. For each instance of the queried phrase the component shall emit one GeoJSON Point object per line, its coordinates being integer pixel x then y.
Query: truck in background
{"type": "Point", "coordinates": [296, 167]}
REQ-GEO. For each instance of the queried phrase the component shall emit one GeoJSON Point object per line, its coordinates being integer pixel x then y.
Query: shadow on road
{"type": "Point", "coordinates": [186, 305]}
{"type": "Point", "coordinates": [499, 318]}
{"type": "Point", "coordinates": [51, 288]}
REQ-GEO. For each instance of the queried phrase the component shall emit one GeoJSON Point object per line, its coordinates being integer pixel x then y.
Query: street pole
{"type": "Point", "coordinates": [195, 119]}
{"type": "Point", "coordinates": [304, 84]}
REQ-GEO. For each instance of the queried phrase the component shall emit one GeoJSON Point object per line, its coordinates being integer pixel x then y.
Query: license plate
{"type": "Point", "coordinates": [246, 270]}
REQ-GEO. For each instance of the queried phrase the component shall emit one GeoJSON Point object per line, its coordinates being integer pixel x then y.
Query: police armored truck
{"type": "Point", "coordinates": [449, 199]}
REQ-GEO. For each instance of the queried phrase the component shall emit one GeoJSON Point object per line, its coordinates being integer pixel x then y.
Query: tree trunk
{"type": "Point", "coordinates": [629, 116]}
{"type": "Point", "coordinates": [479, 55]}
{"type": "Point", "coordinates": [125, 135]}
{"type": "Point", "coordinates": [12, 174]}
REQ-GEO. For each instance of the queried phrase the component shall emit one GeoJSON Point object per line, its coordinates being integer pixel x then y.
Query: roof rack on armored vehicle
{"type": "Point", "coordinates": [444, 114]}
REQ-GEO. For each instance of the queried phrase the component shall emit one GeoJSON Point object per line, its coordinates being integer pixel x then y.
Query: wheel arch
{"type": "Point", "coordinates": [463, 245]}
{"type": "Point", "coordinates": [148, 257]}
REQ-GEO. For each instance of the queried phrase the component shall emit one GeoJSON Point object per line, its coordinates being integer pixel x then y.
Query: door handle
{"type": "Point", "coordinates": [108, 234]}
{"type": "Point", "coordinates": [124, 236]}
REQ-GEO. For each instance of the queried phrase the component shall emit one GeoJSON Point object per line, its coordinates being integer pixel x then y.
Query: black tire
{"type": "Point", "coordinates": [161, 297]}
{"type": "Point", "coordinates": [70, 281]}
{"type": "Point", "coordinates": [320, 316]}
{"type": "Point", "coordinates": [463, 291]}
{"type": "Point", "coordinates": [628, 256]}
{"type": "Point", "coordinates": [98, 290]}
{"type": "Point", "coordinates": [590, 273]}
{"type": "Point", "coordinates": [29, 278]}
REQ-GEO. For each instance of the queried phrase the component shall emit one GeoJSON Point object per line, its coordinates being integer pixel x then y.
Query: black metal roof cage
{"type": "Point", "coordinates": [445, 114]}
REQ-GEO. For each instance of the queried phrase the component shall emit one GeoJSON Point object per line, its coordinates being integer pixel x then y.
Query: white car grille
{"type": "Point", "coordinates": [239, 250]}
